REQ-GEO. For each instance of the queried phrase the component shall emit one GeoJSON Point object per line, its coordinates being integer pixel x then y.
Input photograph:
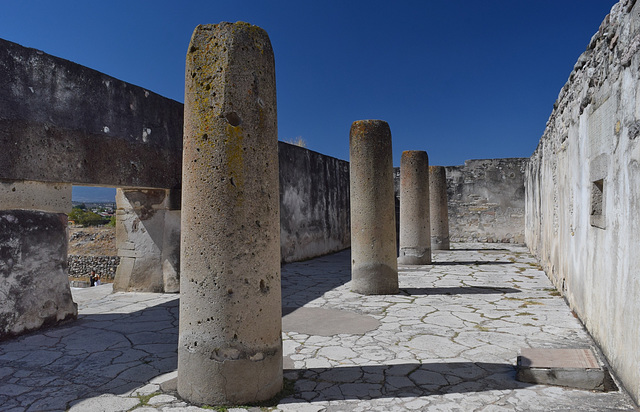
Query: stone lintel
{"type": "Point", "coordinates": [32, 195]}
{"type": "Point", "coordinates": [63, 122]}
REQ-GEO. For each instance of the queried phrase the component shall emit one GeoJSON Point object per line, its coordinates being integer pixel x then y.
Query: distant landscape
{"type": "Point", "coordinates": [89, 194]}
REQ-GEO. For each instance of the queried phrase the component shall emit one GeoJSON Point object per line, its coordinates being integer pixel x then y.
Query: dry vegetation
{"type": "Point", "coordinates": [92, 241]}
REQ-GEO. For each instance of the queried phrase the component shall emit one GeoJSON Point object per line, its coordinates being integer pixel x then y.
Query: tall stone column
{"type": "Point", "coordinates": [374, 265]}
{"type": "Point", "coordinates": [230, 346]}
{"type": "Point", "coordinates": [438, 206]}
{"type": "Point", "coordinates": [34, 281]}
{"type": "Point", "coordinates": [415, 230]}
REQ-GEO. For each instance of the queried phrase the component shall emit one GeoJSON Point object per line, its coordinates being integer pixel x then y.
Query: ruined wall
{"type": "Point", "coordinates": [148, 241]}
{"type": "Point", "coordinates": [81, 266]}
{"type": "Point", "coordinates": [34, 288]}
{"type": "Point", "coordinates": [314, 203]}
{"type": "Point", "coordinates": [76, 125]}
{"type": "Point", "coordinates": [486, 200]}
{"type": "Point", "coordinates": [33, 271]}
{"type": "Point", "coordinates": [583, 191]}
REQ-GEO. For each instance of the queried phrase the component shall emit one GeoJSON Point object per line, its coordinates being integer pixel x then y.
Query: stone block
{"type": "Point", "coordinates": [30, 195]}
{"type": "Point", "coordinates": [574, 368]}
{"type": "Point", "coordinates": [83, 126]}
{"type": "Point", "coordinates": [33, 266]}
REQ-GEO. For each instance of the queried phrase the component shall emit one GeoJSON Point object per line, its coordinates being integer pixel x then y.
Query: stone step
{"type": "Point", "coordinates": [574, 368]}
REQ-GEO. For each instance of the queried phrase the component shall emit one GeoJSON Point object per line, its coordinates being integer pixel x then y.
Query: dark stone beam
{"type": "Point", "coordinates": [62, 122]}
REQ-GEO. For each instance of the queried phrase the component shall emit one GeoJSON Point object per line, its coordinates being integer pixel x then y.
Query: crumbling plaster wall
{"type": "Point", "coordinates": [583, 191]}
{"type": "Point", "coordinates": [63, 124]}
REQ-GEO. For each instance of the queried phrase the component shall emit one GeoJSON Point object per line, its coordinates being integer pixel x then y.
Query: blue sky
{"type": "Point", "coordinates": [459, 79]}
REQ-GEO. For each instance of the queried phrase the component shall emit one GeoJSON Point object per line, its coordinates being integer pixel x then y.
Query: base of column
{"type": "Point", "coordinates": [411, 256]}
{"type": "Point", "coordinates": [206, 381]}
{"type": "Point", "coordinates": [374, 279]}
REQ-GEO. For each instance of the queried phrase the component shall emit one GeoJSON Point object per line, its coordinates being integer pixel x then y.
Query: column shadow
{"type": "Point", "coordinates": [472, 263]}
{"type": "Point", "coordinates": [399, 381]}
{"type": "Point", "coordinates": [303, 282]}
{"type": "Point", "coordinates": [458, 290]}
{"type": "Point", "coordinates": [111, 353]}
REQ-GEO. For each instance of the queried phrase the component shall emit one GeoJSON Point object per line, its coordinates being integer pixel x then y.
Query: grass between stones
{"type": "Point", "coordinates": [552, 291]}
{"type": "Point", "coordinates": [288, 389]}
{"type": "Point", "coordinates": [144, 400]}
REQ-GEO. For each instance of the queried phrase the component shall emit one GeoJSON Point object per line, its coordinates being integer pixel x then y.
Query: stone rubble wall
{"type": "Point", "coordinates": [583, 192]}
{"type": "Point", "coordinates": [486, 200]}
{"type": "Point", "coordinates": [105, 266]}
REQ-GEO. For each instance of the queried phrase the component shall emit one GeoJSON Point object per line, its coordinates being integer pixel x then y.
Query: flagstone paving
{"type": "Point", "coordinates": [447, 342]}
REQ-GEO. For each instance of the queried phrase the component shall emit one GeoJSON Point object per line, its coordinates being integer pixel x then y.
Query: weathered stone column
{"type": "Point", "coordinates": [374, 265]}
{"type": "Point", "coordinates": [438, 208]}
{"type": "Point", "coordinates": [148, 241]}
{"type": "Point", "coordinates": [230, 347]}
{"type": "Point", "coordinates": [34, 283]}
{"type": "Point", "coordinates": [415, 230]}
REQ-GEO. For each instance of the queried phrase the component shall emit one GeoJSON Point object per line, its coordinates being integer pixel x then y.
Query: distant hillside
{"type": "Point", "coordinates": [93, 194]}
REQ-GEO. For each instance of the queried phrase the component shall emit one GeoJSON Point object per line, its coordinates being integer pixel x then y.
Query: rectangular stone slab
{"type": "Point", "coordinates": [558, 358]}
{"type": "Point", "coordinates": [574, 368]}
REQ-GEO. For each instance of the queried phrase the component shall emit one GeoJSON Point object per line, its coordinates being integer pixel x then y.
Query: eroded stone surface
{"type": "Point", "coordinates": [415, 227]}
{"type": "Point", "coordinates": [230, 348]}
{"type": "Point", "coordinates": [34, 287]}
{"type": "Point", "coordinates": [148, 241]}
{"type": "Point", "coordinates": [374, 267]}
{"type": "Point", "coordinates": [582, 200]}
{"type": "Point", "coordinates": [438, 209]}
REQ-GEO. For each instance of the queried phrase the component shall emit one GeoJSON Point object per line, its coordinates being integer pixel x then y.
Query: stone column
{"type": "Point", "coordinates": [415, 230]}
{"type": "Point", "coordinates": [230, 346]}
{"type": "Point", "coordinates": [34, 282]}
{"type": "Point", "coordinates": [148, 239]}
{"type": "Point", "coordinates": [374, 265]}
{"type": "Point", "coordinates": [438, 206]}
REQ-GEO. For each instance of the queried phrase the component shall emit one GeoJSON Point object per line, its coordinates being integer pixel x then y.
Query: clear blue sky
{"type": "Point", "coordinates": [459, 79]}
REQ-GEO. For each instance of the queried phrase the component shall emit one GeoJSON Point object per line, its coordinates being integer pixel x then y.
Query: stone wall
{"type": "Point", "coordinates": [81, 266]}
{"type": "Point", "coordinates": [33, 271]}
{"type": "Point", "coordinates": [583, 192]}
{"type": "Point", "coordinates": [148, 241]}
{"type": "Point", "coordinates": [76, 125]}
{"type": "Point", "coordinates": [314, 203]}
{"type": "Point", "coordinates": [486, 200]}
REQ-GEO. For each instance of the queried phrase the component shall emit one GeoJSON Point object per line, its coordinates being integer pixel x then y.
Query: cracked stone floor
{"type": "Point", "coordinates": [447, 342]}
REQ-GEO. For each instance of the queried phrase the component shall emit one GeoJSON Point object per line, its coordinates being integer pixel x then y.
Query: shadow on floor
{"type": "Point", "coordinates": [473, 263]}
{"type": "Point", "coordinates": [94, 355]}
{"type": "Point", "coordinates": [400, 380]}
{"type": "Point", "coordinates": [458, 290]}
{"type": "Point", "coordinates": [300, 286]}
{"type": "Point", "coordinates": [473, 250]}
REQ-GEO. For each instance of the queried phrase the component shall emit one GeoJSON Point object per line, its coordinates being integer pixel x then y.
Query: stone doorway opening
{"type": "Point", "coordinates": [92, 236]}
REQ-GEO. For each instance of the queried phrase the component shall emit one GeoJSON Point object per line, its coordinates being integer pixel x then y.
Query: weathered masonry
{"type": "Point", "coordinates": [230, 340]}
{"type": "Point", "coordinates": [485, 199]}
{"type": "Point", "coordinates": [63, 124]}
{"type": "Point", "coordinates": [374, 265]}
{"type": "Point", "coordinates": [583, 191]}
